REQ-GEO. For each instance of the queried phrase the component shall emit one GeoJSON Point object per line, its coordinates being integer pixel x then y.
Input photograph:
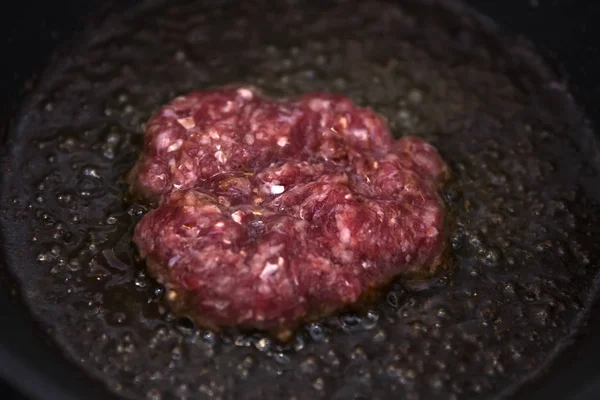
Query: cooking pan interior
{"type": "Point", "coordinates": [32, 364]}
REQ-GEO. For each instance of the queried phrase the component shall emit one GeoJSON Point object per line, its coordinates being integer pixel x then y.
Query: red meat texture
{"type": "Point", "coordinates": [271, 211]}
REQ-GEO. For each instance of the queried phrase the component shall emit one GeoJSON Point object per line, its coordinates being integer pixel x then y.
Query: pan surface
{"type": "Point", "coordinates": [524, 196]}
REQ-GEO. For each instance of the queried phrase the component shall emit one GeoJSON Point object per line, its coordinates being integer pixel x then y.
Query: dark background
{"type": "Point", "coordinates": [563, 30]}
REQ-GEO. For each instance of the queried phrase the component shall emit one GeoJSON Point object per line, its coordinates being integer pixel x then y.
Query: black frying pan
{"type": "Point", "coordinates": [564, 30]}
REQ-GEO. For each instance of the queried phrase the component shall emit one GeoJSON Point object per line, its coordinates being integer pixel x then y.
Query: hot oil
{"type": "Point", "coordinates": [521, 243]}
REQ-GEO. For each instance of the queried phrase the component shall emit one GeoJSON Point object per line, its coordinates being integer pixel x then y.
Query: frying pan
{"type": "Point", "coordinates": [563, 31]}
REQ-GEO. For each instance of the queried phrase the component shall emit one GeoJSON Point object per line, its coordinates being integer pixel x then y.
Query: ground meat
{"type": "Point", "coordinates": [271, 212]}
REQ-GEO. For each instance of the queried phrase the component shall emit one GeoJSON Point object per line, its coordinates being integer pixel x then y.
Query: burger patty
{"type": "Point", "coordinates": [269, 212]}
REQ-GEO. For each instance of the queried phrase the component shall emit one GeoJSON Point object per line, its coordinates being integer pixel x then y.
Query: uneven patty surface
{"type": "Point", "coordinates": [270, 212]}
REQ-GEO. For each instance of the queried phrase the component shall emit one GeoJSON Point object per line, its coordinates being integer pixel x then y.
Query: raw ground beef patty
{"type": "Point", "coordinates": [269, 212]}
